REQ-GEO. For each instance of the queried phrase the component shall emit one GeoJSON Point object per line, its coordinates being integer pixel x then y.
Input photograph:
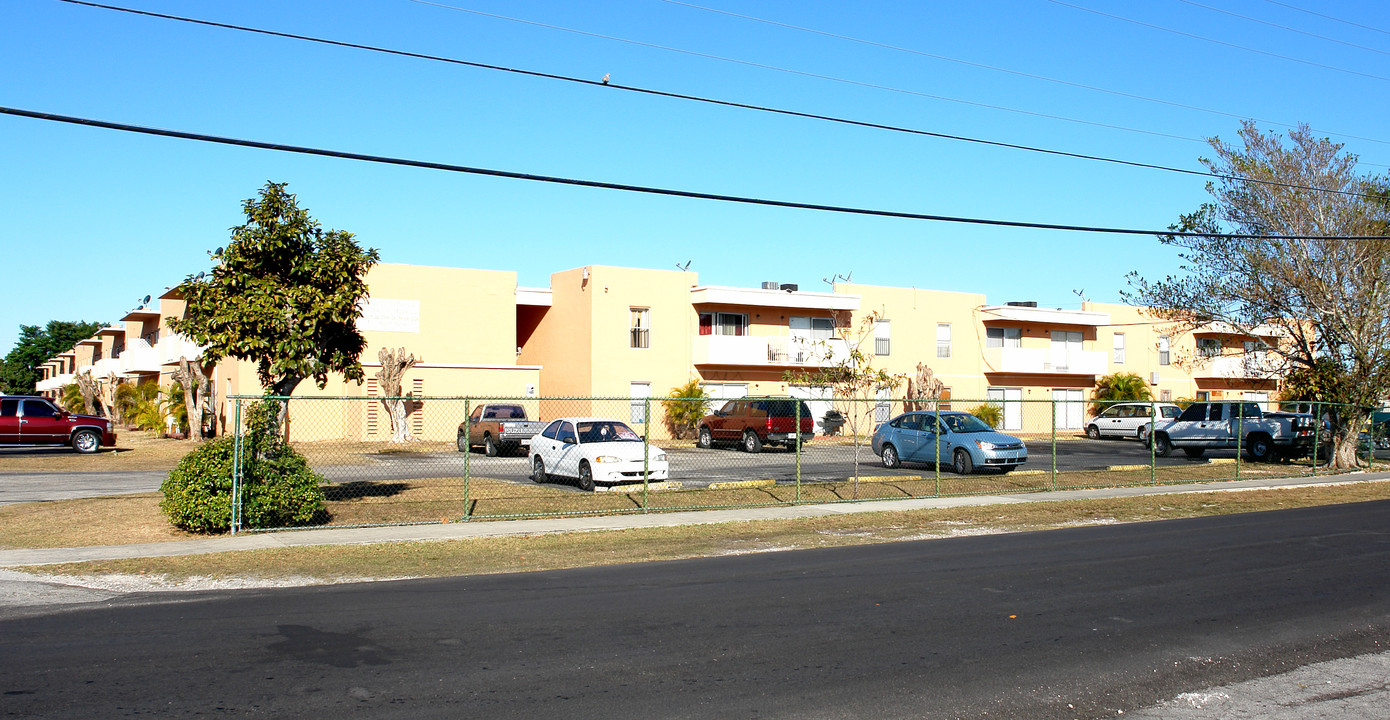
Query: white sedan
{"type": "Point", "coordinates": [593, 450]}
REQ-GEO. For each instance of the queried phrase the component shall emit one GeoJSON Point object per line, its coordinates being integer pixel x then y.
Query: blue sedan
{"type": "Point", "coordinates": [963, 439]}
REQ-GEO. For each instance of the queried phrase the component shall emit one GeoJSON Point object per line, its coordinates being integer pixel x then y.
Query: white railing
{"type": "Point", "coordinates": [173, 347]}
{"type": "Point", "coordinates": [1049, 361]}
{"type": "Point", "coordinates": [1247, 366]}
{"type": "Point", "coordinates": [139, 357]}
{"type": "Point", "coordinates": [767, 351]}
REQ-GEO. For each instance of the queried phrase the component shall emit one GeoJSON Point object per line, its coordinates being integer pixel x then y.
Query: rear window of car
{"type": "Point", "coordinates": [786, 408]}
{"type": "Point", "coordinates": [9, 408]}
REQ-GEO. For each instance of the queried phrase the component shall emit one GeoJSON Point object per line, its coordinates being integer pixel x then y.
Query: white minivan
{"type": "Point", "coordinates": [1129, 420]}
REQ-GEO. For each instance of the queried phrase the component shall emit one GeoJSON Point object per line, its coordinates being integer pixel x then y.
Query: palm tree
{"type": "Point", "coordinates": [1118, 387]}
{"type": "Point", "coordinates": [71, 399]}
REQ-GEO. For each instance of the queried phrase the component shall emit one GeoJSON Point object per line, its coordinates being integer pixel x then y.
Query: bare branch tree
{"type": "Point", "coordinates": [195, 382]}
{"type": "Point", "coordinates": [394, 363]}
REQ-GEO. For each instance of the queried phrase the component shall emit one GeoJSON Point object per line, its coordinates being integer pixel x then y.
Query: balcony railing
{"type": "Point", "coordinates": [139, 357]}
{"type": "Point", "coordinates": [1046, 361]}
{"type": "Point", "coordinates": [1250, 366]}
{"type": "Point", "coordinates": [767, 351]}
{"type": "Point", "coordinates": [173, 347]}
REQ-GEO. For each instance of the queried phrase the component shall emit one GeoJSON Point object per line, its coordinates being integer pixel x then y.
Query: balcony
{"type": "Point", "coordinates": [55, 383]}
{"type": "Point", "coordinates": [1045, 361]}
{"type": "Point", "coordinates": [173, 347]}
{"type": "Point", "coordinates": [1253, 366]}
{"type": "Point", "coordinates": [767, 351]}
{"type": "Point", "coordinates": [139, 357]}
{"type": "Point", "coordinates": [106, 366]}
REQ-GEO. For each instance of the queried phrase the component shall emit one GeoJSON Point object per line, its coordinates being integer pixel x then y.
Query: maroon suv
{"type": "Point", "coordinates": [36, 421]}
{"type": "Point", "coordinates": [753, 422]}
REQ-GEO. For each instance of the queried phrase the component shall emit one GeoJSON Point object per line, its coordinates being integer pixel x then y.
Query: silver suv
{"type": "Point", "coordinates": [1129, 420]}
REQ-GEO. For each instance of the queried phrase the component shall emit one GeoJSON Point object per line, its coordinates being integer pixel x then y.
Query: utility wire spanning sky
{"type": "Point", "coordinates": [96, 218]}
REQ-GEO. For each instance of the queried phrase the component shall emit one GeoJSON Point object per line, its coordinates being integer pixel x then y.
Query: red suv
{"type": "Point", "coordinates": [753, 422]}
{"type": "Point", "coordinates": [36, 421]}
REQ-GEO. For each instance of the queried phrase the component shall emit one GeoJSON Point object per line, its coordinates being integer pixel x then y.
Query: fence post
{"type": "Point", "coordinates": [936, 433]}
{"type": "Point", "coordinates": [647, 449]}
{"type": "Point", "coordinates": [796, 408]}
{"type": "Point", "coordinates": [1053, 404]}
{"type": "Point", "coordinates": [1153, 459]}
{"type": "Point", "coordinates": [236, 469]}
{"type": "Point", "coordinates": [1240, 433]}
{"type": "Point", "coordinates": [1317, 430]}
{"type": "Point", "coordinates": [467, 453]}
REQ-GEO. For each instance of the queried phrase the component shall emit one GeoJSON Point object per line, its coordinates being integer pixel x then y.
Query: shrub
{"type": "Point", "coordinates": [278, 487]}
{"type": "Point", "coordinates": [992, 415]}
{"type": "Point", "coordinates": [685, 405]}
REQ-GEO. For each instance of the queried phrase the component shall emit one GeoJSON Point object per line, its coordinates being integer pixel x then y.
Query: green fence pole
{"type": "Point", "coordinates": [796, 408]}
{"type": "Point", "coordinates": [936, 433]}
{"type": "Point", "coordinates": [467, 453]}
{"type": "Point", "coordinates": [1317, 430]}
{"type": "Point", "coordinates": [1240, 433]}
{"type": "Point", "coordinates": [236, 470]}
{"type": "Point", "coordinates": [646, 449]}
{"type": "Point", "coordinates": [1153, 459]}
{"type": "Point", "coordinates": [1053, 404]}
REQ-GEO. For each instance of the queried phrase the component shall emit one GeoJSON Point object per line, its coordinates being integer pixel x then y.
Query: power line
{"type": "Point", "coordinates": [1284, 27]}
{"type": "Point", "coordinates": [1019, 73]}
{"type": "Point", "coordinates": [1221, 42]}
{"type": "Point", "coordinates": [448, 167]}
{"type": "Point", "coordinates": [1329, 17]}
{"type": "Point", "coordinates": [803, 73]}
{"type": "Point", "coordinates": [697, 98]}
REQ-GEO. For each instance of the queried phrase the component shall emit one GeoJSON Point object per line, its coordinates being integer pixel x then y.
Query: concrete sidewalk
{"type": "Point", "coordinates": [500, 528]}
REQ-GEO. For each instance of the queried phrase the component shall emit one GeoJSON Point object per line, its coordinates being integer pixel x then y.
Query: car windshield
{"type": "Point", "coordinates": [596, 431]}
{"type": "Point", "coordinates": [965, 424]}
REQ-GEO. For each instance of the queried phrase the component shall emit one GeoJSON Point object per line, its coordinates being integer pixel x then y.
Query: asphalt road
{"type": "Point", "coordinates": [1084, 622]}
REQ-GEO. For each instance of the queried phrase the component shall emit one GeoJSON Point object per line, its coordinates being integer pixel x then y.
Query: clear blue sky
{"type": "Point", "coordinates": [94, 219]}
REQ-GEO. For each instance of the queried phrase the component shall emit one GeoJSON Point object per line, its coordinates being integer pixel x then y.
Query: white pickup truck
{"type": "Point", "coordinates": [1263, 435]}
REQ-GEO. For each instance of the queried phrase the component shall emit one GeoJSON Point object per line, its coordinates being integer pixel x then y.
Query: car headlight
{"type": "Point", "coordinates": [608, 458]}
{"type": "Point", "coordinates": [984, 445]}
{"type": "Point", "coordinates": [659, 457]}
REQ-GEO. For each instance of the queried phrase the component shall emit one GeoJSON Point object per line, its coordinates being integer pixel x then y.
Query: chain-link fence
{"type": "Point", "coordinates": [451, 459]}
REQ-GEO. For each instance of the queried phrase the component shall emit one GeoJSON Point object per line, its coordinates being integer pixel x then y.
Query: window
{"type": "Point", "coordinates": [1119, 344]}
{"type": "Point", "coordinates": [1165, 395]}
{"type": "Point", "coordinates": [1196, 412]}
{"type": "Point", "coordinates": [1203, 395]}
{"type": "Point", "coordinates": [943, 340]}
{"type": "Point", "coordinates": [1164, 354]}
{"type": "Point", "coordinates": [811, 328]}
{"type": "Point", "coordinates": [1001, 337]}
{"type": "Point", "coordinates": [1208, 347]}
{"type": "Point", "coordinates": [883, 333]}
{"type": "Point", "coordinates": [718, 323]}
{"type": "Point", "coordinates": [641, 327]}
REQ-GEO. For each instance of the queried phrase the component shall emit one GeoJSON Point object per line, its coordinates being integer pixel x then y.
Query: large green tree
{"type": "Point", "coordinates": [19, 371]}
{"type": "Point", "coordinates": [1319, 299]}
{"type": "Point", "coordinates": [283, 294]}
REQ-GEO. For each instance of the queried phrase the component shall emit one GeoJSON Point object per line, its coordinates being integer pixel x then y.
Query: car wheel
{"type": "Point", "coordinates": [963, 464]}
{"type": "Point", "coordinates": [1259, 448]}
{"type": "Point", "coordinates": [586, 476]}
{"type": "Point", "coordinates": [705, 439]}
{"type": "Point", "coordinates": [751, 442]}
{"type": "Point", "coordinates": [1162, 445]}
{"type": "Point", "coordinates": [489, 447]}
{"type": "Point", "coordinates": [1143, 433]}
{"type": "Point", "coordinates": [538, 471]}
{"type": "Point", "coordinates": [1194, 452]}
{"type": "Point", "coordinates": [463, 442]}
{"type": "Point", "coordinates": [890, 457]}
{"type": "Point", "coordinates": [86, 441]}
{"type": "Point", "coordinates": [1093, 432]}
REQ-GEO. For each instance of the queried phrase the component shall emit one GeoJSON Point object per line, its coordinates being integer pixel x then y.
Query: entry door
{"type": "Point", "coordinates": [1011, 400]}
{"type": "Point", "coordinates": [1071, 409]}
{"type": "Point", "coordinates": [1066, 344]}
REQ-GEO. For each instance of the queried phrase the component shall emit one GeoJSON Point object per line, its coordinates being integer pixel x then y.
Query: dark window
{"type": "Point", "coordinates": [566, 433]}
{"type": "Point", "coordinates": [551, 431]}
{"type": "Point", "coordinates": [1196, 412]}
{"type": "Point", "coordinates": [9, 408]}
{"type": "Point", "coordinates": [1216, 409]}
{"type": "Point", "coordinates": [38, 408]}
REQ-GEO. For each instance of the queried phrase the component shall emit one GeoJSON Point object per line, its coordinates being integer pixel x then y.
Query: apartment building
{"type": "Point", "coordinates": [632, 334]}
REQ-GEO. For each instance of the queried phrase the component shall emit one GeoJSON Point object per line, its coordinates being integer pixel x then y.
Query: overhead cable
{"type": "Point", "coordinates": [697, 98]}
{"type": "Point", "coordinates": [449, 167]}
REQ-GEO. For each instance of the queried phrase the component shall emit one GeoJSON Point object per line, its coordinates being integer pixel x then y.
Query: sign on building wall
{"type": "Point", "coordinates": [387, 315]}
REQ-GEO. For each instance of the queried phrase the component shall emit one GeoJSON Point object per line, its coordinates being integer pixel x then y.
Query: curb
{"type": "Point", "coordinates": [737, 484]}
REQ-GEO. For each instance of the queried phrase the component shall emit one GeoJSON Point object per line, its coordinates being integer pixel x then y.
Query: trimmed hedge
{"type": "Point", "coordinates": [278, 487]}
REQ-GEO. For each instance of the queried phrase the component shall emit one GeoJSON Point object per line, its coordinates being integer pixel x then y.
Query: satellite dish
{"type": "Point", "coordinates": [145, 302]}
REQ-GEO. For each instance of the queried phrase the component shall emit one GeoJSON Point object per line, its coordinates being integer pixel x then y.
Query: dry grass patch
{"type": "Point", "coordinates": [119, 519]}
{"type": "Point", "coordinates": [544, 552]}
{"type": "Point", "coordinates": [135, 450]}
